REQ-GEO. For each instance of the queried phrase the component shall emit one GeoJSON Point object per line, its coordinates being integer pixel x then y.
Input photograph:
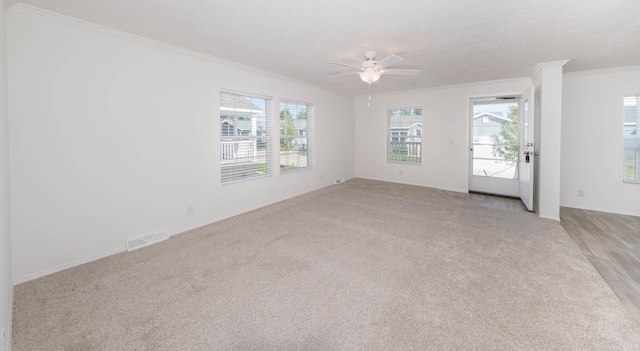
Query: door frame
{"type": "Point", "coordinates": [526, 137]}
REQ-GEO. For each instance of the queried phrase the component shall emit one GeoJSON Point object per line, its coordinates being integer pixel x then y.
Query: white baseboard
{"type": "Point", "coordinates": [47, 271]}
{"type": "Point", "coordinates": [10, 324]}
{"type": "Point", "coordinates": [239, 212]}
{"type": "Point", "coordinates": [557, 219]}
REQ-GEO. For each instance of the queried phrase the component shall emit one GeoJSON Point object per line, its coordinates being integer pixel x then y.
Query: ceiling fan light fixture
{"type": "Point", "coordinates": [369, 75]}
{"type": "Point", "coordinates": [371, 70]}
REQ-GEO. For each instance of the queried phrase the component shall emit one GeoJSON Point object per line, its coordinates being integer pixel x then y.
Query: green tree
{"type": "Point", "coordinates": [507, 139]}
{"type": "Point", "coordinates": [407, 112]}
{"type": "Point", "coordinates": [287, 128]}
{"type": "Point", "coordinates": [302, 114]}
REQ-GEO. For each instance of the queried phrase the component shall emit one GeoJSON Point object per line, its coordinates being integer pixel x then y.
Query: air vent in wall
{"type": "Point", "coordinates": [146, 240]}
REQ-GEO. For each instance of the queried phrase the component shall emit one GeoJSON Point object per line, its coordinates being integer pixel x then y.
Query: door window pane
{"type": "Point", "coordinates": [495, 139]}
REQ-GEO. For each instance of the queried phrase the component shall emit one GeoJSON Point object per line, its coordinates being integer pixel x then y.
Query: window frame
{"type": "Point", "coordinates": [240, 156]}
{"type": "Point", "coordinates": [401, 134]}
{"type": "Point", "coordinates": [635, 170]}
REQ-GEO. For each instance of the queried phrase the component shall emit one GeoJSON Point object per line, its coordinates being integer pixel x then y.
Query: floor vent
{"type": "Point", "coordinates": [146, 240]}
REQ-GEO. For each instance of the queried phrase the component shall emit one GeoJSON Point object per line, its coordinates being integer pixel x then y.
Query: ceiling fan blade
{"type": "Point", "coordinates": [344, 74]}
{"type": "Point", "coordinates": [345, 64]}
{"type": "Point", "coordinates": [391, 60]}
{"type": "Point", "coordinates": [402, 72]}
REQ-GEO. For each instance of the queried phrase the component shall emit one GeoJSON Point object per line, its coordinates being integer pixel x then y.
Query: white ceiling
{"type": "Point", "coordinates": [452, 41]}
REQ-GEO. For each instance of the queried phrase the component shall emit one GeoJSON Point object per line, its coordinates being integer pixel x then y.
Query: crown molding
{"type": "Point", "coordinates": [622, 69]}
{"type": "Point", "coordinates": [515, 80]}
{"type": "Point", "coordinates": [559, 63]}
{"type": "Point", "coordinates": [9, 3]}
{"type": "Point", "coordinates": [36, 12]}
{"type": "Point", "coordinates": [540, 66]}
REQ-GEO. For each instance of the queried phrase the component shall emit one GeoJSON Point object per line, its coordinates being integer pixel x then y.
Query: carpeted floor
{"type": "Point", "coordinates": [364, 265]}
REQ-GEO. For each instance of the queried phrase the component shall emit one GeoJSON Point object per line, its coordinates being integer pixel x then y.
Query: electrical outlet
{"type": "Point", "coordinates": [580, 193]}
{"type": "Point", "coordinates": [3, 341]}
{"type": "Point", "coordinates": [189, 210]}
{"type": "Point", "coordinates": [400, 172]}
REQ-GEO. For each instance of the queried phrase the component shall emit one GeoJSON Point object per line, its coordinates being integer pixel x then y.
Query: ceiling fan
{"type": "Point", "coordinates": [371, 70]}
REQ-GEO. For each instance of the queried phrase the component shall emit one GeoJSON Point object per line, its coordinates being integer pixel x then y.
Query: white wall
{"type": "Point", "coordinates": [548, 123]}
{"type": "Point", "coordinates": [592, 141]}
{"type": "Point", "coordinates": [537, 83]}
{"type": "Point", "coordinates": [445, 133]}
{"type": "Point", "coordinates": [111, 138]}
{"type": "Point", "coordinates": [6, 281]}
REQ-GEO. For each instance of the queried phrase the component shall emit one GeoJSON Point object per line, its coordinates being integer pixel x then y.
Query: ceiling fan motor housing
{"type": "Point", "coordinates": [370, 55]}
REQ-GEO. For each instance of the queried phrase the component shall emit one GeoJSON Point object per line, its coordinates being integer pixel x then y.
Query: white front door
{"type": "Point", "coordinates": [495, 155]}
{"type": "Point", "coordinates": [527, 159]}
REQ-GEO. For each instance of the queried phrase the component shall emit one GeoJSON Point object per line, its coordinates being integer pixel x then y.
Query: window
{"type": "Point", "coordinates": [404, 135]}
{"type": "Point", "coordinates": [631, 164]}
{"type": "Point", "coordinates": [245, 136]}
{"type": "Point", "coordinates": [296, 136]}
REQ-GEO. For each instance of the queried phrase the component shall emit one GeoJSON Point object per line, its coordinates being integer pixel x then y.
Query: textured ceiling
{"type": "Point", "coordinates": [453, 41]}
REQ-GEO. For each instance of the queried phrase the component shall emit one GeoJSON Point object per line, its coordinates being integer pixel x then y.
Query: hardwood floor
{"type": "Point", "coordinates": [612, 243]}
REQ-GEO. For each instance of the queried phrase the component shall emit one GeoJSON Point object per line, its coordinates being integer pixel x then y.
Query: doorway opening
{"type": "Point", "coordinates": [494, 141]}
{"type": "Point", "coordinates": [502, 157]}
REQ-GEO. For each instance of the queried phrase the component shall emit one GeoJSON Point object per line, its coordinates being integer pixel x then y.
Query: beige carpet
{"type": "Point", "coordinates": [364, 265]}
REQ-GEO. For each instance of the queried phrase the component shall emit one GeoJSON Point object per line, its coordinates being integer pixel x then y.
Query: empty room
{"type": "Point", "coordinates": [281, 175]}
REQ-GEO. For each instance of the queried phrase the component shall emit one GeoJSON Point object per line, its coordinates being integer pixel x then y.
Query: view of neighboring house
{"type": "Point", "coordinates": [242, 124]}
{"type": "Point", "coordinates": [406, 137]}
{"type": "Point", "coordinates": [301, 128]}
{"type": "Point", "coordinates": [486, 127]}
{"type": "Point", "coordinates": [239, 127]}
